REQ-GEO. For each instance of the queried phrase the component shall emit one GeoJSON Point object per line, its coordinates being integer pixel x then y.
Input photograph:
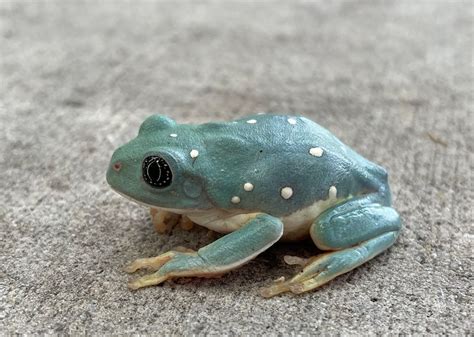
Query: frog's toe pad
{"type": "Point", "coordinates": [295, 260]}
{"type": "Point", "coordinates": [151, 263]}
{"type": "Point", "coordinates": [182, 249]}
{"type": "Point", "coordinates": [279, 286]}
{"type": "Point", "coordinates": [164, 221]}
{"type": "Point", "coordinates": [186, 223]}
{"type": "Point", "coordinates": [146, 281]}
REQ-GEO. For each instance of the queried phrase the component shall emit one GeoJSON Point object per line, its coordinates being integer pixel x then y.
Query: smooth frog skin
{"type": "Point", "coordinates": [261, 179]}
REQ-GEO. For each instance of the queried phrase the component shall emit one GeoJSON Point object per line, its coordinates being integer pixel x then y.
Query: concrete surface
{"type": "Point", "coordinates": [393, 80]}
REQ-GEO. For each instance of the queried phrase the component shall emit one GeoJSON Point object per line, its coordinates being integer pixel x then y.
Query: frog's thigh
{"type": "Point", "coordinates": [350, 224]}
{"type": "Point", "coordinates": [356, 231]}
{"type": "Point", "coordinates": [224, 254]}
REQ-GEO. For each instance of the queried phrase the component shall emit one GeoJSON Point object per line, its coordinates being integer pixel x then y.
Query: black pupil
{"type": "Point", "coordinates": [156, 172]}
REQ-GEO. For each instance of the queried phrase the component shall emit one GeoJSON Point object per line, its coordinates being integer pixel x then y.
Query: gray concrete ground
{"type": "Point", "coordinates": [393, 80]}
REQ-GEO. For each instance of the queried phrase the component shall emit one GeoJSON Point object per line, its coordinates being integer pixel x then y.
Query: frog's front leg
{"type": "Point", "coordinates": [163, 220]}
{"type": "Point", "coordinates": [356, 231]}
{"type": "Point", "coordinates": [223, 255]}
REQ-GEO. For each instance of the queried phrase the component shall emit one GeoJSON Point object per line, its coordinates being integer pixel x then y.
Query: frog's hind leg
{"type": "Point", "coordinates": [355, 232]}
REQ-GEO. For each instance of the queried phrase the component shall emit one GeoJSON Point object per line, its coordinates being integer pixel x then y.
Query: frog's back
{"type": "Point", "coordinates": [280, 164]}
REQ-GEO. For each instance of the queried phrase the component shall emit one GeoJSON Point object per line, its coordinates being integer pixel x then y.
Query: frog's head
{"type": "Point", "coordinates": [155, 168]}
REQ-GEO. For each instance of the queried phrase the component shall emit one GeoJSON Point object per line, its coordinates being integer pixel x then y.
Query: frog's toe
{"type": "Point", "coordinates": [186, 223]}
{"type": "Point", "coordinates": [147, 280]}
{"type": "Point", "coordinates": [323, 268]}
{"type": "Point", "coordinates": [275, 289]}
{"type": "Point", "coordinates": [173, 264]}
{"type": "Point", "coordinates": [280, 285]}
{"type": "Point", "coordinates": [295, 260]}
{"type": "Point", "coordinates": [163, 221]}
{"type": "Point", "coordinates": [182, 249]}
{"type": "Point", "coordinates": [326, 267]}
{"type": "Point", "coordinates": [295, 285]}
{"type": "Point", "coordinates": [150, 263]}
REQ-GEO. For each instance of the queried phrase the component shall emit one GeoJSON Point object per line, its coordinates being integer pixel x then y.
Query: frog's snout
{"type": "Point", "coordinates": [113, 171]}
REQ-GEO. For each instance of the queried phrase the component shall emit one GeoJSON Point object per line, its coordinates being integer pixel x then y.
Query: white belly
{"type": "Point", "coordinates": [296, 225]}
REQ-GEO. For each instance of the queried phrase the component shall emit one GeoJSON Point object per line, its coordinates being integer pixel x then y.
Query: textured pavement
{"type": "Point", "coordinates": [392, 80]}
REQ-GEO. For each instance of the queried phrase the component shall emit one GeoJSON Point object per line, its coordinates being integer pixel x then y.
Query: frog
{"type": "Point", "coordinates": [256, 180]}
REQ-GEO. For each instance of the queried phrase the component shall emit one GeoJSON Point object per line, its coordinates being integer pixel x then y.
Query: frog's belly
{"type": "Point", "coordinates": [296, 225]}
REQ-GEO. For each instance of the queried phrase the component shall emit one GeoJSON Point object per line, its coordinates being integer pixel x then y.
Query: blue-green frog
{"type": "Point", "coordinates": [258, 180]}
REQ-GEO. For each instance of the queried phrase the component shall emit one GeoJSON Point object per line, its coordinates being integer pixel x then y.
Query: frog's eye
{"type": "Point", "coordinates": [156, 172]}
{"type": "Point", "coordinates": [155, 123]}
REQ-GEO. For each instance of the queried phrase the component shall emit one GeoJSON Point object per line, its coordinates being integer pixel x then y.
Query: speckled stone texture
{"type": "Point", "coordinates": [393, 80]}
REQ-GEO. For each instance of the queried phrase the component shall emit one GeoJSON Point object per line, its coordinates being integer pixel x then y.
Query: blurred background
{"type": "Point", "coordinates": [394, 80]}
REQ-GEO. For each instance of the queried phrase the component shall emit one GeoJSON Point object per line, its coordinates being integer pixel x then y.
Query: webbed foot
{"type": "Point", "coordinates": [323, 268]}
{"type": "Point", "coordinates": [154, 263]}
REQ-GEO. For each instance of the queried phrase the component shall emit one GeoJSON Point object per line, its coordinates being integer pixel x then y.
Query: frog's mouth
{"type": "Point", "coordinates": [142, 203]}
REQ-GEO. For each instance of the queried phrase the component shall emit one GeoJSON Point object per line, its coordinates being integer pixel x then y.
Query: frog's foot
{"type": "Point", "coordinates": [295, 260]}
{"type": "Point", "coordinates": [186, 223]}
{"type": "Point", "coordinates": [163, 221]}
{"type": "Point", "coordinates": [154, 263]}
{"type": "Point", "coordinates": [150, 263]}
{"type": "Point", "coordinates": [221, 256]}
{"type": "Point", "coordinates": [356, 231]}
{"type": "Point", "coordinates": [322, 269]}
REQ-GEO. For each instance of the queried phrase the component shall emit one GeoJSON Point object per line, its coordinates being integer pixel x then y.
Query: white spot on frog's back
{"type": "Point", "coordinates": [286, 192]}
{"type": "Point", "coordinates": [252, 121]}
{"type": "Point", "coordinates": [235, 199]}
{"type": "Point", "coordinates": [292, 121]}
{"type": "Point", "coordinates": [174, 135]}
{"type": "Point", "coordinates": [194, 153]}
{"type": "Point", "coordinates": [316, 151]}
{"type": "Point", "coordinates": [248, 187]}
{"type": "Point", "coordinates": [332, 192]}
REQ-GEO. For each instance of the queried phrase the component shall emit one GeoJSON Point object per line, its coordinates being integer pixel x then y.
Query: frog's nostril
{"type": "Point", "coordinates": [117, 166]}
